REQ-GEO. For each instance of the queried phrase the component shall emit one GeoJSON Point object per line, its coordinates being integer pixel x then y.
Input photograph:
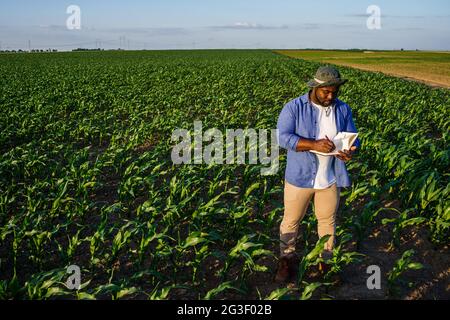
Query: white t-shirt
{"type": "Point", "coordinates": [325, 175]}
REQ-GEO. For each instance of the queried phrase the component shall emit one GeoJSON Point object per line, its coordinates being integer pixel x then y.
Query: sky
{"type": "Point", "coordinates": [196, 24]}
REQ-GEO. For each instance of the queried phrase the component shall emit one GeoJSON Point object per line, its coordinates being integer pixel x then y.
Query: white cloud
{"type": "Point", "coordinates": [248, 26]}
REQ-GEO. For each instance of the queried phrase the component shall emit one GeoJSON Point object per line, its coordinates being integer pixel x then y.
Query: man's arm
{"type": "Point", "coordinates": [289, 140]}
{"type": "Point", "coordinates": [305, 145]}
{"type": "Point", "coordinates": [321, 145]}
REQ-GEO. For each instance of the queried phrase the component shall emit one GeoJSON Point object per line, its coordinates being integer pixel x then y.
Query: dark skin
{"type": "Point", "coordinates": [324, 96]}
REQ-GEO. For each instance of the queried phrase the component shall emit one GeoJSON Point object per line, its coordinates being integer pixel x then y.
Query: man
{"type": "Point", "coordinates": [307, 123]}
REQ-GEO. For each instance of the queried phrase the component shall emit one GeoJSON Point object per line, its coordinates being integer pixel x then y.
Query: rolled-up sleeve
{"type": "Point", "coordinates": [286, 136]}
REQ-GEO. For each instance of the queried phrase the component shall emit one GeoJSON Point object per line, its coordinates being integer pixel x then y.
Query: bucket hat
{"type": "Point", "coordinates": [326, 76]}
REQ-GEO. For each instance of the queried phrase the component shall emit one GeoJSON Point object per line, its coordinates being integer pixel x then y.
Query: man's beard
{"type": "Point", "coordinates": [324, 103]}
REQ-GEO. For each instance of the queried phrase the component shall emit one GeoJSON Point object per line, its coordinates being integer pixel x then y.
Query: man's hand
{"type": "Point", "coordinates": [346, 154]}
{"type": "Point", "coordinates": [323, 145]}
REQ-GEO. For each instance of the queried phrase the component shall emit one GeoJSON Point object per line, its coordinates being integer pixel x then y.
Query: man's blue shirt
{"type": "Point", "coordinates": [297, 120]}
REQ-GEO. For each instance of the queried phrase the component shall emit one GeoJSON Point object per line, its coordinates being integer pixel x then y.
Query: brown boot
{"type": "Point", "coordinates": [323, 268]}
{"type": "Point", "coordinates": [287, 268]}
{"type": "Point", "coordinates": [282, 270]}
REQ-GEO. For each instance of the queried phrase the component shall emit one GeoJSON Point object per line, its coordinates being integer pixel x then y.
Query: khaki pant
{"type": "Point", "coordinates": [296, 201]}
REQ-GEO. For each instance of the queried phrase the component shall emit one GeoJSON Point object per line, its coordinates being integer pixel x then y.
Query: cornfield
{"type": "Point", "coordinates": [86, 176]}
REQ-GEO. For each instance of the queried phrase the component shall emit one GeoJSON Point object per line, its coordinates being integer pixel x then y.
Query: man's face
{"type": "Point", "coordinates": [326, 95]}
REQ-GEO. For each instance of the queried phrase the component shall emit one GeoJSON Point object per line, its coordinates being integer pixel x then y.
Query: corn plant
{"type": "Point", "coordinates": [46, 285]}
{"type": "Point", "coordinates": [227, 285]}
{"type": "Point", "coordinates": [248, 251]}
{"type": "Point", "coordinates": [362, 221]}
{"type": "Point", "coordinates": [402, 265]}
{"type": "Point", "coordinates": [309, 289]}
{"type": "Point", "coordinates": [38, 239]}
{"type": "Point", "coordinates": [340, 258]}
{"type": "Point", "coordinates": [310, 259]}
{"type": "Point", "coordinates": [73, 243]}
{"type": "Point", "coordinates": [120, 240]}
{"type": "Point", "coordinates": [278, 294]}
{"type": "Point", "coordinates": [115, 291]}
{"type": "Point", "coordinates": [86, 159]}
{"type": "Point", "coordinates": [148, 236]}
{"type": "Point", "coordinates": [11, 288]}
{"type": "Point", "coordinates": [200, 256]}
{"type": "Point", "coordinates": [400, 222]}
{"type": "Point", "coordinates": [440, 225]}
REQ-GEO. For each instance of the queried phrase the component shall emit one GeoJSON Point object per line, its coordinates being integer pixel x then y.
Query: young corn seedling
{"type": "Point", "coordinates": [207, 211]}
{"type": "Point", "coordinates": [11, 289]}
{"type": "Point", "coordinates": [362, 221]}
{"type": "Point", "coordinates": [310, 225]}
{"type": "Point", "coordinates": [219, 181]}
{"type": "Point", "coordinates": [160, 294]}
{"type": "Point", "coordinates": [38, 241]}
{"type": "Point", "coordinates": [61, 196]}
{"type": "Point", "coordinates": [401, 265]}
{"type": "Point", "coordinates": [430, 192]}
{"type": "Point", "coordinates": [72, 245]}
{"type": "Point", "coordinates": [5, 201]}
{"type": "Point", "coordinates": [200, 256]}
{"type": "Point", "coordinates": [17, 240]}
{"type": "Point", "coordinates": [278, 294]}
{"type": "Point", "coordinates": [440, 225]}
{"type": "Point", "coordinates": [131, 184]}
{"type": "Point", "coordinates": [340, 258]}
{"type": "Point", "coordinates": [148, 236]}
{"type": "Point", "coordinates": [356, 192]}
{"type": "Point", "coordinates": [192, 241]}
{"type": "Point", "coordinates": [227, 285]}
{"type": "Point", "coordinates": [239, 214]}
{"type": "Point", "coordinates": [247, 250]}
{"type": "Point", "coordinates": [120, 240]}
{"type": "Point", "coordinates": [310, 259]}
{"type": "Point", "coordinates": [400, 222]}
{"type": "Point", "coordinates": [309, 289]}
{"type": "Point", "coordinates": [97, 239]}
{"type": "Point", "coordinates": [273, 217]}
{"type": "Point", "coordinates": [115, 291]}
{"type": "Point", "coordinates": [46, 285]}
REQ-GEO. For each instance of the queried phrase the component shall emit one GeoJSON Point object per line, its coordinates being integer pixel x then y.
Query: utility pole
{"type": "Point", "coordinates": [98, 43]}
{"type": "Point", "coordinates": [123, 42]}
{"type": "Point", "coordinates": [29, 45]}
